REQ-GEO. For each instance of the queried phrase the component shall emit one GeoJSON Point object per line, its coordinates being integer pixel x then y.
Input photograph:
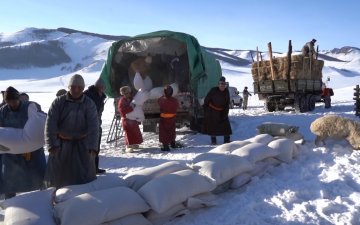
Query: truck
{"type": "Point", "coordinates": [175, 58]}
{"type": "Point", "coordinates": [293, 81]}
{"type": "Point", "coordinates": [235, 98]}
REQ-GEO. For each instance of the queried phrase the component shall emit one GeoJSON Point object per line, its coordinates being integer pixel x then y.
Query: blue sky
{"type": "Point", "coordinates": [233, 24]}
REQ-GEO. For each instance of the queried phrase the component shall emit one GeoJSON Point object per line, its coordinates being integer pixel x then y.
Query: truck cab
{"type": "Point", "coordinates": [235, 98]}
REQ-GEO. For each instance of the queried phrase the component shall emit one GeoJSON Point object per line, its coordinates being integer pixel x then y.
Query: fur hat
{"type": "Point", "coordinates": [222, 79]}
{"type": "Point", "coordinates": [77, 80]}
{"type": "Point", "coordinates": [125, 90]}
{"type": "Point", "coordinates": [99, 82]}
{"type": "Point", "coordinates": [60, 92]}
{"type": "Point", "coordinates": [168, 91]}
{"type": "Point", "coordinates": [11, 94]}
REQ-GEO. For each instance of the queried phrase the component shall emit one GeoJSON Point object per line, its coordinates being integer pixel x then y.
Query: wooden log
{"type": "Point", "coordinates": [289, 64]}
{"type": "Point", "coordinates": [257, 61]}
{"type": "Point", "coordinates": [271, 61]}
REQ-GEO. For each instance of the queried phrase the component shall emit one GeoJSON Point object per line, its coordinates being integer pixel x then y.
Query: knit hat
{"type": "Point", "coordinates": [313, 40]}
{"type": "Point", "coordinates": [125, 90]}
{"type": "Point", "coordinates": [60, 92]}
{"type": "Point", "coordinates": [168, 91]}
{"type": "Point", "coordinates": [222, 79]}
{"type": "Point", "coordinates": [99, 82]}
{"type": "Point", "coordinates": [77, 80]}
{"type": "Point", "coordinates": [11, 94]}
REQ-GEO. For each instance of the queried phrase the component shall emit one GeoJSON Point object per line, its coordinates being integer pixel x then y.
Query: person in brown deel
{"type": "Point", "coordinates": [167, 124]}
{"type": "Point", "coordinates": [131, 128]}
{"type": "Point", "coordinates": [216, 106]}
{"type": "Point", "coordinates": [308, 49]}
{"type": "Point", "coordinates": [71, 137]}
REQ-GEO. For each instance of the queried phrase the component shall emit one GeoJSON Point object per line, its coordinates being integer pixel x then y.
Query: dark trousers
{"type": "Point", "coordinates": [97, 154]}
{"type": "Point", "coordinates": [1, 175]}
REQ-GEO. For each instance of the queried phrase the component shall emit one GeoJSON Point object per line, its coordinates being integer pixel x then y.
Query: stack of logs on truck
{"type": "Point", "coordinates": [293, 80]}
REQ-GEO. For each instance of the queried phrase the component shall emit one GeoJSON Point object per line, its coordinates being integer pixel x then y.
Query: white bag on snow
{"type": "Point", "coordinates": [28, 139]}
{"type": "Point", "coordinates": [286, 148]}
{"type": "Point", "coordinates": [166, 191]}
{"type": "Point", "coordinates": [223, 168]}
{"type": "Point", "coordinates": [276, 129]}
{"type": "Point", "coordinates": [137, 179]}
{"type": "Point", "coordinates": [229, 147]}
{"type": "Point", "coordinates": [167, 216]}
{"type": "Point", "coordinates": [255, 152]}
{"type": "Point", "coordinates": [102, 182]}
{"type": "Point", "coordinates": [134, 219]}
{"type": "Point", "coordinates": [261, 138]}
{"type": "Point", "coordinates": [31, 208]}
{"type": "Point", "coordinates": [101, 206]}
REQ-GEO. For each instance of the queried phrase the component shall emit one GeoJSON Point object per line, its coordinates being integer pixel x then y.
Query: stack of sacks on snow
{"type": "Point", "coordinates": [280, 130]}
{"type": "Point", "coordinates": [106, 200]}
{"type": "Point", "coordinates": [28, 139]}
{"type": "Point", "coordinates": [233, 164]}
{"type": "Point", "coordinates": [171, 189]}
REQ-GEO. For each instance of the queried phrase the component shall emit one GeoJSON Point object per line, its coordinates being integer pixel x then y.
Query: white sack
{"type": "Point", "coordinates": [156, 93]}
{"type": "Point", "coordinates": [102, 182]}
{"type": "Point", "coordinates": [32, 208]}
{"type": "Point", "coordinates": [28, 139]}
{"type": "Point", "coordinates": [276, 129]}
{"type": "Point", "coordinates": [223, 168]}
{"type": "Point", "coordinates": [140, 97]}
{"type": "Point", "coordinates": [134, 219]}
{"type": "Point", "coordinates": [164, 192]}
{"type": "Point", "coordinates": [255, 152]}
{"type": "Point", "coordinates": [175, 87]}
{"type": "Point", "coordinates": [286, 148]}
{"type": "Point", "coordinates": [138, 81]}
{"type": "Point", "coordinates": [202, 201]}
{"type": "Point", "coordinates": [137, 114]}
{"type": "Point", "coordinates": [207, 156]}
{"type": "Point", "coordinates": [229, 147]}
{"type": "Point", "coordinates": [100, 206]}
{"type": "Point", "coordinates": [261, 138]}
{"type": "Point", "coordinates": [137, 179]}
{"type": "Point", "coordinates": [260, 169]}
{"type": "Point", "coordinates": [148, 85]}
{"type": "Point", "coordinates": [240, 180]}
{"type": "Point", "coordinates": [167, 216]}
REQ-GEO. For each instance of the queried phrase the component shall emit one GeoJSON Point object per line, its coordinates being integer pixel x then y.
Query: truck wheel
{"type": "Point", "coordinates": [231, 105]}
{"type": "Point", "coordinates": [301, 104]}
{"type": "Point", "coordinates": [311, 102]}
{"type": "Point", "coordinates": [270, 106]}
{"type": "Point", "coordinates": [150, 127]}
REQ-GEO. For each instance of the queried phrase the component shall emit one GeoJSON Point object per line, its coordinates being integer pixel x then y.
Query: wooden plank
{"type": "Point", "coordinates": [271, 61]}
{"type": "Point", "coordinates": [289, 64]}
{"type": "Point", "coordinates": [257, 62]}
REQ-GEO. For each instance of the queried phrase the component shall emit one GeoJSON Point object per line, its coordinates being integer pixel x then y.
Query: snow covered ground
{"type": "Point", "coordinates": [321, 186]}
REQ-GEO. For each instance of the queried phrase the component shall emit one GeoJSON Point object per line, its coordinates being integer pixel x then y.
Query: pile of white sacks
{"type": "Point", "coordinates": [146, 91]}
{"type": "Point", "coordinates": [154, 195]}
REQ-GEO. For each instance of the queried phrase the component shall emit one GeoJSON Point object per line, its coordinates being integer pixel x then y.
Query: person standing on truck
{"type": "Point", "coordinates": [246, 94]}
{"type": "Point", "coordinates": [96, 93]}
{"type": "Point", "coordinates": [167, 124]}
{"type": "Point", "coordinates": [308, 49]}
{"type": "Point", "coordinates": [131, 128]}
{"type": "Point", "coordinates": [216, 107]}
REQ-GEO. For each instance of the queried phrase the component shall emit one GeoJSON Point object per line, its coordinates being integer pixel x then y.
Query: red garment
{"type": "Point", "coordinates": [326, 92]}
{"type": "Point", "coordinates": [131, 127]}
{"type": "Point", "coordinates": [167, 126]}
